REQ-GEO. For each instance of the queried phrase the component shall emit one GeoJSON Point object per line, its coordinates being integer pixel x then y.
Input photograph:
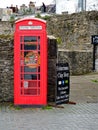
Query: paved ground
{"type": "Point", "coordinates": [84, 89]}
{"type": "Point", "coordinates": [71, 117]}
{"type": "Point", "coordinates": [82, 116]}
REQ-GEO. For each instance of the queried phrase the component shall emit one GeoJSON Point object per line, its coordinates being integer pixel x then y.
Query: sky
{"type": "Point", "coordinates": [71, 5]}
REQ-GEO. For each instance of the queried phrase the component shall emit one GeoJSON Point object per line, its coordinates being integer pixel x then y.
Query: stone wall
{"type": "Point", "coordinates": [6, 28]}
{"type": "Point", "coordinates": [80, 62]}
{"type": "Point", "coordinates": [74, 30]}
{"type": "Point", "coordinates": [52, 60]}
{"type": "Point", "coordinates": [6, 69]}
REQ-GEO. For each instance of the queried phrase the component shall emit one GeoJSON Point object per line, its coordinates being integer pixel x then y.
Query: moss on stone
{"type": "Point", "coordinates": [3, 36]}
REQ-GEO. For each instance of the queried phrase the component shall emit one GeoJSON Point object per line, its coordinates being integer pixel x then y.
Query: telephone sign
{"type": "Point", "coordinates": [30, 27]}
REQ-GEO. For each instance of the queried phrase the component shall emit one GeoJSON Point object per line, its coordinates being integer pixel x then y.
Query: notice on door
{"type": "Point", "coordinates": [62, 89]}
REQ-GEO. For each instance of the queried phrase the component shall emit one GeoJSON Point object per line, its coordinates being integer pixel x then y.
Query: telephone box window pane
{"type": "Point", "coordinates": [30, 91]}
{"type": "Point", "coordinates": [38, 47]}
{"type": "Point", "coordinates": [30, 39]}
{"type": "Point", "coordinates": [30, 76]}
{"type": "Point", "coordinates": [25, 53]}
{"type": "Point", "coordinates": [38, 76]}
{"type": "Point", "coordinates": [30, 47]}
{"type": "Point", "coordinates": [22, 76]}
{"type": "Point", "coordinates": [21, 46]}
{"type": "Point", "coordinates": [39, 52]}
{"type": "Point", "coordinates": [38, 43]}
{"type": "Point", "coordinates": [39, 69]}
{"type": "Point", "coordinates": [22, 69]}
{"type": "Point", "coordinates": [28, 69]}
{"type": "Point", "coordinates": [31, 59]}
{"type": "Point", "coordinates": [38, 38]}
{"type": "Point", "coordinates": [21, 39]}
{"type": "Point", "coordinates": [32, 83]}
{"type": "Point", "coordinates": [39, 84]}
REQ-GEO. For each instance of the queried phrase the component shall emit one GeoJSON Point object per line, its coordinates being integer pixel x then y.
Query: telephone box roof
{"type": "Point", "coordinates": [28, 18]}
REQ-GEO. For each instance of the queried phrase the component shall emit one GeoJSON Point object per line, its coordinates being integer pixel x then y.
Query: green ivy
{"type": "Point", "coordinates": [6, 36]}
{"type": "Point", "coordinates": [59, 40]}
{"type": "Point", "coordinates": [94, 80]}
{"type": "Point", "coordinates": [46, 107]}
{"type": "Point", "coordinates": [38, 15]}
{"type": "Point", "coordinates": [46, 17]}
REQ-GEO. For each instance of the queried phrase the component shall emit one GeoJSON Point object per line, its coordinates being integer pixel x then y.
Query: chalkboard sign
{"type": "Point", "coordinates": [94, 39]}
{"type": "Point", "coordinates": [62, 90]}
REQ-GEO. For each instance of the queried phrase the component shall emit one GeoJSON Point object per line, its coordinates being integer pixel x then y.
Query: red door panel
{"type": "Point", "coordinates": [30, 70]}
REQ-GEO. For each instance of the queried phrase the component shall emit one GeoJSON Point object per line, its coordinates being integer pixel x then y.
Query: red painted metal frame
{"type": "Point", "coordinates": [40, 99]}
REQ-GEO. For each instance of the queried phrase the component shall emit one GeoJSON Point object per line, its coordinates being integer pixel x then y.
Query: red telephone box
{"type": "Point", "coordinates": [30, 62]}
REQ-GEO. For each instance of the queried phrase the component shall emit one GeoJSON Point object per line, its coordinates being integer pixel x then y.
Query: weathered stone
{"type": "Point", "coordinates": [80, 62]}
{"type": "Point", "coordinates": [6, 69]}
{"type": "Point", "coordinates": [75, 30]}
